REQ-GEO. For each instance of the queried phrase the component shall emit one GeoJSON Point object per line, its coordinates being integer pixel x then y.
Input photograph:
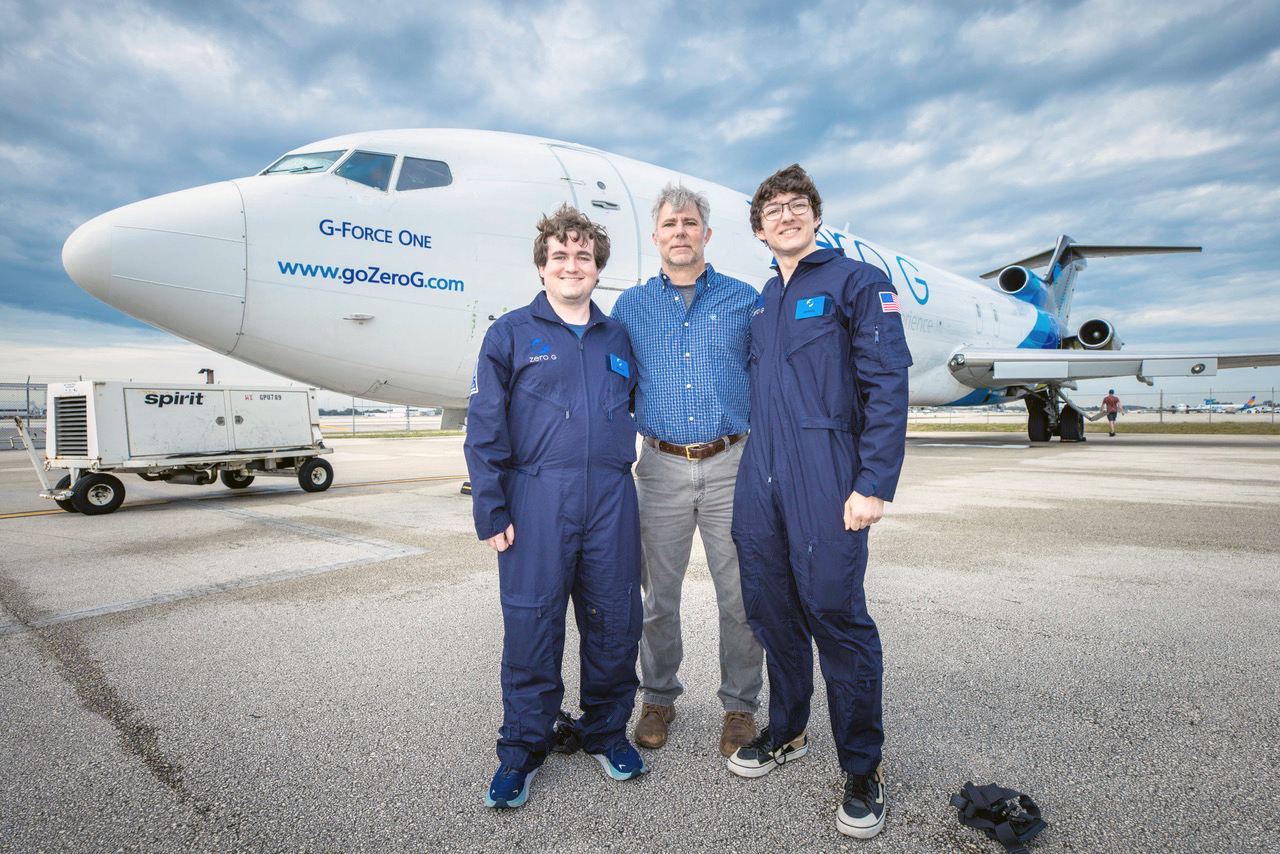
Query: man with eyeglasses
{"type": "Point", "coordinates": [688, 328]}
{"type": "Point", "coordinates": [828, 369]}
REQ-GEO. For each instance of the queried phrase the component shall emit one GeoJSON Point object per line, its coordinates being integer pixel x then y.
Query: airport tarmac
{"type": "Point", "coordinates": [1094, 625]}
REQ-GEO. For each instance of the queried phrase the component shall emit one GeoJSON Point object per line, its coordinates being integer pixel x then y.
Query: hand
{"type": "Point", "coordinates": [502, 542]}
{"type": "Point", "coordinates": [862, 511]}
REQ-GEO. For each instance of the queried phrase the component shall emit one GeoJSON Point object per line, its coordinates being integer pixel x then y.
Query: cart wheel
{"type": "Point", "coordinates": [96, 494]}
{"type": "Point", "coordinates": [315, 475]}
{"type": "Point", "coordinates": [235, 480]}
{"type": "Point", "coordinates": [66, 504]}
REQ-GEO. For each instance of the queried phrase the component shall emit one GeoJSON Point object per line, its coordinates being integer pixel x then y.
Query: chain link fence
{"type": "Point", "coordinates": [1210, 405]}
{"type": "Point", "coordinates": [24, 398]}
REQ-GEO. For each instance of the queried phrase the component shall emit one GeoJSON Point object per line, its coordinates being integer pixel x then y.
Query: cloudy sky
{"type": "Point", "coordinates": [969, 135]}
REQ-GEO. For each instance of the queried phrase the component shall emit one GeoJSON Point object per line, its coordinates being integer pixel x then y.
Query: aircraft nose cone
{"type": "Point", "coordinates": [176, 261]}
{"type": "Point", "coordinates": [86, 256]}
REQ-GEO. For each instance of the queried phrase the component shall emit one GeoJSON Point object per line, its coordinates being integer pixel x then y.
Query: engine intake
{"type": "Point", "coordinates": [1098, 334]}
{"type": "Point", "coordinates": [1024, 285]}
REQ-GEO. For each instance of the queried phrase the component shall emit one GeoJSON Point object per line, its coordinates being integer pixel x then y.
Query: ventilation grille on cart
{"type": "Point", "coordinates": [71, 418]}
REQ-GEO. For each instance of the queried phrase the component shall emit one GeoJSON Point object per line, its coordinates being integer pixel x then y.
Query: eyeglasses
{"type": "Point", "coordinates": [799, 207]}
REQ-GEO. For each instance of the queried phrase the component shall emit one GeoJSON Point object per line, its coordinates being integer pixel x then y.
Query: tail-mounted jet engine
{"type": "Point", "coordinates": [1025, 285]}
{"type": "Point", "coordinates": [1098, 334]}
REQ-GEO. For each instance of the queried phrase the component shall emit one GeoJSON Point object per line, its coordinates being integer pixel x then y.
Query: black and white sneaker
{"type": "Point", "coordinates": [760, 755]}
{"type": "Point", "coordinates": [862, 813]}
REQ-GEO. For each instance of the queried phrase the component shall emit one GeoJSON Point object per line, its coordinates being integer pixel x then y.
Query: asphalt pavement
{"type": "Point", "coordinates": [270, 670]}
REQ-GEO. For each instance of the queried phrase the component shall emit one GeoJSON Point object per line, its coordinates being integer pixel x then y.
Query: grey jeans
{"type": "Point", "coordinates": [676, 495]}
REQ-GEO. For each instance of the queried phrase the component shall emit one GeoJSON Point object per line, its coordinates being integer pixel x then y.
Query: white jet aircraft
{"type": "Point", "coordinates": [372, 264]}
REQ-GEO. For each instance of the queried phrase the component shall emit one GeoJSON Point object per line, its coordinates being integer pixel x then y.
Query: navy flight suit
{"type": "Point", "coordinates": [549, 449]}
{"type": "Point", "coordinates": [828, 365]}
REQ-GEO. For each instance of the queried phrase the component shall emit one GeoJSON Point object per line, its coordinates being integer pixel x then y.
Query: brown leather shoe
{"type": "Point", "coordinates": [651, 729]}
{"type": "Point", "coordinates": [739, 728]}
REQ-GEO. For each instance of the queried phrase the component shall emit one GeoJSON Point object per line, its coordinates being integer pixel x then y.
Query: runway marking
{"type": "Point", "coordinates": [237, 494]}
{"type": "Point", "coordinates": [963, 445]}
{"type": "Point", "coordinates": [379, 550]}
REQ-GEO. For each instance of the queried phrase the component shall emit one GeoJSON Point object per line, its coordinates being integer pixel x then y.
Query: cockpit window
{"type": "Point", "coordinates": [367, 168]}
{"type": "Point", "coordinates": [312, 161]}
{"type": "Point", "coordinates": [418, 174]}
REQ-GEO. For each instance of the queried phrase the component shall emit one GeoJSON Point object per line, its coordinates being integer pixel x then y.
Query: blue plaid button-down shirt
{"type": "Point", "coordinates": [691, 363]}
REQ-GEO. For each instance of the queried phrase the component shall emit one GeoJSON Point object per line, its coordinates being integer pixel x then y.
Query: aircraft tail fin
{"type": "Point", "coordinates": [1065, 261]}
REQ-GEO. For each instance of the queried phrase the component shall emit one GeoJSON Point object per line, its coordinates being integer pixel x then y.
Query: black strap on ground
{"type": "Point", "coordinates": [1006, 815]}
{"type": "Point", "coordinates": [567, 736]}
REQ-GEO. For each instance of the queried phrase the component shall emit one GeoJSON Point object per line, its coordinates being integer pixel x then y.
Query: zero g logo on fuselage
{"type": "Point", "coordinates": [160, 401]}
{"type": "Point", "coordinates": [918, 286]}
{"type": "Point", "coordinates": [541, 351]}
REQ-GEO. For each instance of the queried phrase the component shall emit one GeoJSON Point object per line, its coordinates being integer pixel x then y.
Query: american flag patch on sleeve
{"type": "Point", "coordinates": [889, 302]}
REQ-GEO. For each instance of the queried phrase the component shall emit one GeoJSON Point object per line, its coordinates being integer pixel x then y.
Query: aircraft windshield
{"type": "Point", "coordinates": [367, 168]}
{"type": "Point", "coordinates": [418, 174]}
{"type": "Point", "coordinates": [312, 161]}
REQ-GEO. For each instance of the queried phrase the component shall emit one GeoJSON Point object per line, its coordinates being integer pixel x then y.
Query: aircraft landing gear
{"type": "Point", "coordinates": [1071, 425]}
{"type": "Point", "coordinates": [1049, 413]}
{"type": "Point", "coordinates": [1037, 420]}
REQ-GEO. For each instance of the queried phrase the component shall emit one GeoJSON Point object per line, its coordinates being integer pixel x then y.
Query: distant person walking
{"type": "Point", "coordinates": [1111, 404]}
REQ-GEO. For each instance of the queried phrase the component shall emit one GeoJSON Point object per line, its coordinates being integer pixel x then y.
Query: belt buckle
{"type": "Point", "coordinates": [688, 452]}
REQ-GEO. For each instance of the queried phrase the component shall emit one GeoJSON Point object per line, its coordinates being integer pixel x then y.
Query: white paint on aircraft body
{"type": "Point", "coordinates": [386, 294]}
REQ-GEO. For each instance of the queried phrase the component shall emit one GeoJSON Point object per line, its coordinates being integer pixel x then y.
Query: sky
{"type": "Point", "coordinates": [968, 135]}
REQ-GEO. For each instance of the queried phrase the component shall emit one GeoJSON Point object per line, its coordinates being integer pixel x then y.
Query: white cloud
{"type": "Point", "coordinates": [42, 344]}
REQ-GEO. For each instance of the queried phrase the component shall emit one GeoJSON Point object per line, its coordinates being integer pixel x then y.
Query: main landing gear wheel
{"type": "Point", "coordinates": [315, 475]}
{"type": "Point", "coordinates": [1037, 420]}
{"type": "Point", "coordinates": [1071, 425]}
{"type": "Point", "coordinates": [97, 494]}
{"type": "Point", "coordinates": [235, 480]}
{"type": "Point", "coordinates": [65, 503]}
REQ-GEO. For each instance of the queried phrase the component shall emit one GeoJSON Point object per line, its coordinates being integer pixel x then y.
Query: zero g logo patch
{"type": "Point", "coordinates": [541, 351]}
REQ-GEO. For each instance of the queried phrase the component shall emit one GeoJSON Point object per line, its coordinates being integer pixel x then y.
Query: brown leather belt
{"type": "Point", "coordinates": [696, 452]}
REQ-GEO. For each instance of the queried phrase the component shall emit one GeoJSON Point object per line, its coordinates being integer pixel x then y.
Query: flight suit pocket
{"type": "Point", "coordinates": [886, 344]}
{"type": "Point", "coordinates": [527, 619]}
{"type": "Point", "coordinates": [829, 571]}
{"type": "Point", "coordinates": [620, 428]}
{"type": "Point", "coordinates": [542, 393]}
{"type": "Point", "coordinates": [607, 625]}
{"type": "Point", "coordinates": [810, 332]}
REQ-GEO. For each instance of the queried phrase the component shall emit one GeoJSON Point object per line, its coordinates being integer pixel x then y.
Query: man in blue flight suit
{"type": "Point", "coordinates": [828, 366]}
{"type": "Point", "coordinates": [549, 450]}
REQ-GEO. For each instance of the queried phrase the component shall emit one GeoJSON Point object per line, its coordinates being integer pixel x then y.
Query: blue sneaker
{"type": "Point", "coordinates": [621, 762]}
{"type": "Point", "coordinates": [510, 788]}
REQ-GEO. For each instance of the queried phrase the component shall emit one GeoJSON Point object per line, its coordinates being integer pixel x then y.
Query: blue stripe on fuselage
{"type": "Point", "coordinates": [1045, 335]}
{"type": "Point", "coordinates": [977, 397]}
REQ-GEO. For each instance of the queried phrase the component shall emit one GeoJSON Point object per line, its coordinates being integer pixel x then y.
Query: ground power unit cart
{"type": "Point", "coordinates": [193, 434]}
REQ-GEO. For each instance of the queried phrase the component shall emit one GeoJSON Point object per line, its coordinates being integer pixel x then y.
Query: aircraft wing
{"type": "Point", "coordinates": [980, 368]}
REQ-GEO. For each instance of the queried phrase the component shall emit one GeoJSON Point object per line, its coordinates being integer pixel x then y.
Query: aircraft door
{"type": "Point", "coordinates": [597, 189]}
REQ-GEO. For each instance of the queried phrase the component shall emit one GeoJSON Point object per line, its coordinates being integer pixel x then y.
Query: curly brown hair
{"type": "Point", "coordinates": [793, 179]}
{"type": "Point", "coordinates": [565, 224]}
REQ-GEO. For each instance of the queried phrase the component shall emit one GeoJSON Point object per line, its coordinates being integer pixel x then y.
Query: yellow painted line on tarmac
{"type": "Point", "coordinates": [238, 494]}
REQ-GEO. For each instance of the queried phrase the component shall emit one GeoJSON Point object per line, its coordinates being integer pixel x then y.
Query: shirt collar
{"type": "Point", "coordinates": [704, 279]}
{"type": "Point", "coordinates": [542, 309]}
{"type": "Point", "coordinates": [818, 256]}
